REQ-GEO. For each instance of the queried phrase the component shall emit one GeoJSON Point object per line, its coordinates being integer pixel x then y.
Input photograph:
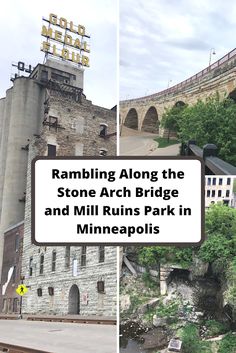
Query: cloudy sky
{"type": "Point", "coordinates": [20, 36]}
{"type": "Point", "coordinates": [163, 40]}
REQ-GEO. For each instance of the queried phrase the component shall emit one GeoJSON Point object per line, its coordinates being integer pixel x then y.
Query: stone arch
{"type": "Point", "coordinates": [74, 300]}
{"type": "Point", "coordinates": [232, 95]}
{"type": "Point", "coordinates": [131, 120]}
{"type": "Point", "coordinates": [150, 122]}
{"type": "Point", "coordinates": [180, 104]}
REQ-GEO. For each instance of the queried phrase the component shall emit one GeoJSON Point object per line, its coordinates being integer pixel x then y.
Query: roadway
{"type": "Point", "coordinates": [57, 337]}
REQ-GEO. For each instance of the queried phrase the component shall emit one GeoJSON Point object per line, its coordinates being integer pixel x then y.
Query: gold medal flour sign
{"type": "Point", "coordinates": [65, 40]}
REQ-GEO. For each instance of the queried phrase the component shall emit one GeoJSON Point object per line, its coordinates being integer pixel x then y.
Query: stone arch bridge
{"type": "Point", "coordinates": [145, 113]}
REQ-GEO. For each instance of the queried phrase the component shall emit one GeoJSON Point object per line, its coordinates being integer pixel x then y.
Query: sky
{"type": "Point", "coordinates": [164, 42]}
{"type": "Point", "coordinates": [20, 36]}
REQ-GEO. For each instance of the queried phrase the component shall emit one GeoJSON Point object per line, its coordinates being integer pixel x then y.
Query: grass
{"type": "Point", "coordinates": [163, 142]}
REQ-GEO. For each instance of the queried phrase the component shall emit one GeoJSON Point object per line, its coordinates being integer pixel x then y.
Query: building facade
{"type": "Point", "coordinates": [55, 119]}
{"type": "Point", "coordinates": [11, 274]}
{"type": "Point", "coordinates": [219, 189]}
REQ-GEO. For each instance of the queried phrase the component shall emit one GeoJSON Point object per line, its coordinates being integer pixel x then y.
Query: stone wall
{"type": "Point", "coordinates": [78, 130]}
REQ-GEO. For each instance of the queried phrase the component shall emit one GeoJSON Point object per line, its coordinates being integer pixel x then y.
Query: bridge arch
{"type": "Point", "coordinates": [74, 300]}
{"type": "Point", "coordinates": [180, 104]}
{"type": "Point", "coordinates": [232, 95]}
{"type": "Point", "coordinates": [131, 119]}
{"type": "Point", "coordinates": [150, 122]}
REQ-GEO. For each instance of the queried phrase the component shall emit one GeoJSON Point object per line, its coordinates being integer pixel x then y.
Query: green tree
{"type": "Point", "coordinates": [220, 227]}
{"type": "Point", "coordinates": [211, 121]}
{"type": "Point", "coordinates": [171, 119]}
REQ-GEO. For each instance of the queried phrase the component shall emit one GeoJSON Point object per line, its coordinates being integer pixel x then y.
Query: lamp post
{"type": "Point", "coordinates": [212, 52]}
{"type": "Point", "coordinates": [168, 85]}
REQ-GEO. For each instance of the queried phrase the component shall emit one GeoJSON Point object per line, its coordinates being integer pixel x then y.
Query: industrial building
{"type": "Point", "coordinates": [47, 113]}
{"type": "Point", "coordinates": [219, 189]}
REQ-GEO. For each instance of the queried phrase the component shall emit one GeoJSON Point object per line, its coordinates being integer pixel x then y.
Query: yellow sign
{"type": "Point", "coordinates": [21, 289]}
{"type": "Point", "coordinates": [65, 40]}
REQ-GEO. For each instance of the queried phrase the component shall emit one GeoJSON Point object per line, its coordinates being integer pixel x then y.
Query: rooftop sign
{"type": "Point", "coordinates": [71, 41]}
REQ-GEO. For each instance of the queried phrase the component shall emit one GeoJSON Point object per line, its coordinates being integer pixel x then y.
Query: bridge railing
{"type": "Point", "coordinates": [213, 164]}
{"type": "Point", "coordinates": [191, 79]}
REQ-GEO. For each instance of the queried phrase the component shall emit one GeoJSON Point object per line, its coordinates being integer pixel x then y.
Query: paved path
{"type": "Point", "coordinates": [135, 143]}
{"type": "Point", "coordinates": [57, 337]}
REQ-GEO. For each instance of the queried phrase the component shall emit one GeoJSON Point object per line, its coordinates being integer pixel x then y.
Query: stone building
{"type": "Point", "coordinates": [47, 113]}
{"type": "Point", "coordinates": [219, 189]}
{"type": "Point", "coordinates": [11, 274]}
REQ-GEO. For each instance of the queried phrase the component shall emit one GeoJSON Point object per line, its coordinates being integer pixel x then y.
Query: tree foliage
{"type": "Point", "coordinates": [212, 121]}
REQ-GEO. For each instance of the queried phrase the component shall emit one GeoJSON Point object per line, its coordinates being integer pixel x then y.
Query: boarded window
{"type": "Point", "coordinates": [54, 256]}
{"type": "Point", "coordinates": [41, 264]}
{"type": "Point", "coordinates": [50, 290]}
{"type": "Point", "coordinates": [101, 255]}
{"type": "Point", "coordinates": [17, 242]}
{"type": "Point", "coordinates": [31, 266]}
{"type": "Point", "coordinates": [83, 255]}
{"type": "Point", "coordinates": [67, 257]}
{"type": "Point", "coordinates": [39, 292]}
{"type": "Point", "coordinates": [52, 150]}
{"type": "Point", "coordinates": [14, 275]}
{"type": "Point", "coordinates": [101, 287]}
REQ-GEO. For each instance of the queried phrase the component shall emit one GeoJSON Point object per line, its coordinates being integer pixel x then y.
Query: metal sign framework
{"type": "Point", "coordinates": [69, 37]}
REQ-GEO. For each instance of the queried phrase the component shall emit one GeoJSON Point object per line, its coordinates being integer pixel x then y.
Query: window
{"type": "Point", "coordinates": [101, 287]}
{"type": "Point", "coordinates": [52, 150]}
{"type": "Point", "coordinates": [15, 305]}
{"type": "Point", "coordinates": [208, 193]}
{"type": "Point", "coordinates": [83, 255]}
{"type": "Point", "coordinates": [228, 181]}
{"type": "Point", "coordinates": [219, 193]}
{"type": "Point", "coordinates": [39, 292]}
{"type": "Point", "coordinates": [31, 266]}
{"type": "Point", "coordinates": [220, 181]}
{"type": "Point", "coordinates": [227, 193]}
{"type": "Point", "coordinates": [67, 257]}
{"type": "Point", "coordinates": [213, 193]}
{"type": "Point", "coordinates": [50, 290]}
{"type": "Point", "coordinates": [14, 274]}
{"type": "Point", "coordinates": [41, 264]}
{"type": "Point", "coordinates": [214, 181]}
{"type": "Point", "coordinates": [208, 181]}
{"type": "Point", "coordinates": [17, 242]}
{"type": "Point", "coordinates": [54, 256]}
{"type": "Point", "coordinates": [74, 267]}
{"type": "Point", "coordinates": [103, 130]}
{"type": "Point", "coordinates": [101, 254]}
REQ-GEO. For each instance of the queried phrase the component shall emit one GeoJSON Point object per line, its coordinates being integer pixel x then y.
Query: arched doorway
{"type": "Point", "coordinates": [74, 300]}
{"type": "Point", "coordinates": [131, 120]}
{"type": "Point", "coordinates": [150, 121]}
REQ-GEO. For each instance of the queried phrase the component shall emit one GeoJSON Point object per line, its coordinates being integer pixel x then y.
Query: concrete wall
{"type": "Point", "coordinates": [22, 117]}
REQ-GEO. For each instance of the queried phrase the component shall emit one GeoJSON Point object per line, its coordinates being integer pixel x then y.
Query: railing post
{"type": "Point", "coordinates": [188, 150]}
{"type": "Point", "coordinates": [209, 150]}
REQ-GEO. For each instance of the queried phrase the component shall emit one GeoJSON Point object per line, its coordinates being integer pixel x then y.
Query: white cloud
{"type": "Point", "coordinates": [178, 34]}
{"type": "Point", "coordinates": [21, 21]}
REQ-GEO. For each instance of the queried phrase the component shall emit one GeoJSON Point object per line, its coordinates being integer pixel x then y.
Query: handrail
{"type": "Point", "coordinates": [216, 165]}
{"type": "Point", "coordinates": [191, 79]}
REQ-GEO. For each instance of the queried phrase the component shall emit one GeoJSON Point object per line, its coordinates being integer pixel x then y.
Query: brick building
{"type": "Point", "coordinates": [11, 274]}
